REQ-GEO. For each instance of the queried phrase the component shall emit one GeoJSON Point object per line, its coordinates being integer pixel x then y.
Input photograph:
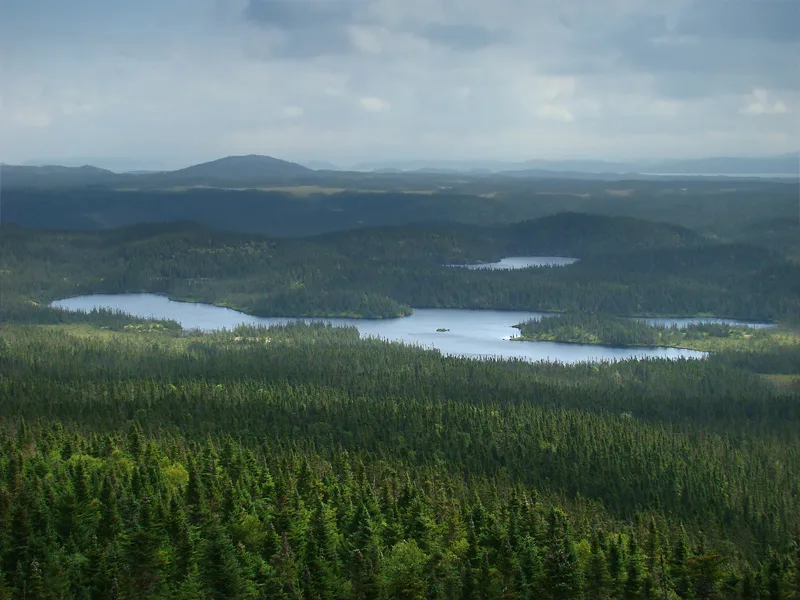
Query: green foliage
{"type": "Point", "coordinates": [634, 267]}
{"type": "Point", "coordinates": [138, 460]}
{"type": "Point", "coordinates": [770, 344]}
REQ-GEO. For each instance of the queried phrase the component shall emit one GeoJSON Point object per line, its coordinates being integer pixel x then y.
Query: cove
{"type": "Point", "coordinates": [472, 333]}
{"type": "Point", "coordinates": [522, 262]}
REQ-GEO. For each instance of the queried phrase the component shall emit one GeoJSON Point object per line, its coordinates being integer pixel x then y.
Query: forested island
{"type": "Point", "coordinates": [619, 331]}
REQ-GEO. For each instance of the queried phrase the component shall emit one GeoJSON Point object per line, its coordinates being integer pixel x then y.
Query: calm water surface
{"type": "Point", "coordinates": [473, 333]}
{"type": "Point", "coordinates": [523, 262]}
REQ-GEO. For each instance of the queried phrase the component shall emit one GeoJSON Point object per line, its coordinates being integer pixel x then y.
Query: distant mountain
{"type": "Point", "coordinates": [54, 176]}
{"type": "Point", "coordinates": [231, 171]}
{"type": "Point", "coordinates": [248, 169]}
{"type": "Point", "coordinates": [431, 166]}
{"type": "Point", "coordinates": [782, 164]}
{"type": "Point", "coordinates": [321, 165]}
{"type": "Point", "coordinates": [776, 165]}
{"type": "Point", "coordinates": [387, 170]}
{"type": "Point", "coordinates": [117, 165]}
{"type": "Point", "coordinates": [254, 171]}
{"type": "Point", "coordinates": [439, 170]}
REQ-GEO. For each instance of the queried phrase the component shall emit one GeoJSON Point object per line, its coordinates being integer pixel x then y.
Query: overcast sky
{"type": "Point", "coordinates": [180, 81]}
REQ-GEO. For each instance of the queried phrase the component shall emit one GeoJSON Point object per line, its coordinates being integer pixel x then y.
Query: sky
{"type": "Point", "coordinates": [181, 81]}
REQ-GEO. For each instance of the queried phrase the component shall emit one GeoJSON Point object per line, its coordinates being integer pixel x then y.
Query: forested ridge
{"type": "Point", "coordinates": [302, 462]}
{"type": "Point", "coordinates": [759, 212]}
{"type": "Point", "coordinates": [626, 267]}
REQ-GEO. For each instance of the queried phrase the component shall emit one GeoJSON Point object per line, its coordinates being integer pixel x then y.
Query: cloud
{"type": "Point", "coordinates": [293, 112]}
{"type": "Point", "coordinates": [185, 80]}
{"type": "Point", "coordinates": [761, 103]}
{"type": "Point", "coordinates": [31, 118]}
{"type": "Point", "coordinates": [463, 36]}
{"type": "Point", "coordinates": [373, 104]}
{"type": "Point", "coordinates": [769, 20]}
{"type": "Point", "coordinates": [301, 14]}
{"type": "Point", "coordinates": [306, 28]}
{"type": "Point", "coordinates": [553, 112]}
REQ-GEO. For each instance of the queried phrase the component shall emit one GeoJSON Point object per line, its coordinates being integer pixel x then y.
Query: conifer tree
{"type": "Point", "coordinates": [141, 547]}
{"type": "Point", "coordinates": [679, 568]}
{"type": "Point", "coordinates": [776, 578]}
{"type": "Point", "coordinates": [633, 588]}
{"type": "Point", "coordinates": [598, 577]}
{"type": "Point", "coordinates": [5, 590]}
{"type": "Point", "coordinates": [219, 570]}
{"type": "Point", "coordinates": [562, 574]}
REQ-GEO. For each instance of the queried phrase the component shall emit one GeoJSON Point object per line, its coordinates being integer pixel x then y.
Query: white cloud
{"type": "Point", "coordinates": [366, 39]}
{"type": "Point", "coordinates": [552, 112]}
{"type": "Point", "coordinates": [373, 104]}
{"type": "Point", "coordinates": [761, 102]}
{"type": "Point", "coordinates": [293, 112]}
{"type": "Point", "coordinates": [31, 118]}
{"type": "Point", "coordinates": [508, 79]}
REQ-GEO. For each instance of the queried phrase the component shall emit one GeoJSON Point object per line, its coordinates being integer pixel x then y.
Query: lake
{"type": "Point", "coordinates": [472, 333]}
{"type": "Point", "coordinates": [523, 262]}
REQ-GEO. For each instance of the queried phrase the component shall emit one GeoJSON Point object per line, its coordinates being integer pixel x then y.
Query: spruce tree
{"type": "Point", "coordinates": [562, 574]}
{"type": "Point", "coordinates": [598, 577]}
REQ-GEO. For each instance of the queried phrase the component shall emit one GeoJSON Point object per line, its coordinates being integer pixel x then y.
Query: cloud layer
{"type": "Point", "coordinates": [348, 80]}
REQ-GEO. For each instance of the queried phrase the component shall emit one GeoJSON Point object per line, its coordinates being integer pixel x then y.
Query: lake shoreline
{"type": "Point", "coordinates": [472, 333]}
{"type": "Point", "coordinates": [607, 345]}
{"type": "Point", "coordinates": [553, 312]}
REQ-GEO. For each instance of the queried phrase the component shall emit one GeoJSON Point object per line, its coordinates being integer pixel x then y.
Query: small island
{"type": "Point", "coordinates": [442, 330]}
{"type": "Point", "coordinates": [609, 330]}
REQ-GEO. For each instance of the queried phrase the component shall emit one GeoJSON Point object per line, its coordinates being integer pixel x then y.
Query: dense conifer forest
{"type": "Point", "coordinates": [762, 212]}
{"type": "Point", "coordinates": [626, 267]}
{"type": "Point", "coordinates": [142, 460]}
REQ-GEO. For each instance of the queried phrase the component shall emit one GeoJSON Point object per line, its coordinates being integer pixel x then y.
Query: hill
{"type": "Point", "coordinates": [775, 165]}
{"type": "Point", "coordinates": [784, 164]}
{"type": "Point", "coordinates": [321, 165]}
{"type": "Point", "coordinates": [576, 234]}
{"type": "Point", "coordinates": [234, 170]}
{"type": "Point", "coordinates": [54, 176]}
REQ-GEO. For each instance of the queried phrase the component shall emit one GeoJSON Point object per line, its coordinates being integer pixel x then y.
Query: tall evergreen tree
{"type": "Point", "coordinates": [562, 574]}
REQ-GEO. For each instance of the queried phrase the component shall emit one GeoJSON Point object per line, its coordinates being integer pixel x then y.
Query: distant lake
{"type": "Point", "coordinates": [523, 262]}
{"type": "Point", "coordinates": [472, 333]}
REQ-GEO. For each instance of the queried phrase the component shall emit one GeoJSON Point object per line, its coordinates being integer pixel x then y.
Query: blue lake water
{"type": "Point", "coordinates": [523, 262]}
{"type": "Point", "coordinates": [472, 333]}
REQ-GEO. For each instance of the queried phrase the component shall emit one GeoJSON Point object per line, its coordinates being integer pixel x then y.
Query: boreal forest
{"type": "Point", "coordinates": [140, 459]}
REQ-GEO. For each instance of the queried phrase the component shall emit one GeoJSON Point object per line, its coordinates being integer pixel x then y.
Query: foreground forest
{"type": "Point", "coordinates": [142, 461]}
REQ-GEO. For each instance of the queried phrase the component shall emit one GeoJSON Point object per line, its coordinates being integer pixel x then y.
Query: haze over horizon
{"type": "Point", "coordinates": [184, 81]}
